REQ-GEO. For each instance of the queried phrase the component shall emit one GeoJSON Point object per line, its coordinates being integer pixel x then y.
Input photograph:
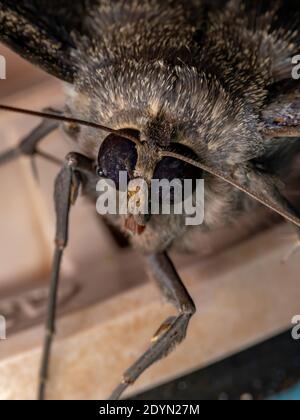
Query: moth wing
{"type": "Point", "coordinates": [281, 113]}
{"type": "Point", "coordinates": [41, 31]}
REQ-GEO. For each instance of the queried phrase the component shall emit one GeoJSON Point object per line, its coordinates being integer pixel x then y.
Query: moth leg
{"type": "Point", "coordinates": [28, 146]}
{"type": "Point", "coordinates": [281, 116]}
{"type": "Point", "coordinates": [283, 131]}
{"type": "Point", "coordinates": [172, 331]}
{"type": "Point", "coordinates": [67, 186]}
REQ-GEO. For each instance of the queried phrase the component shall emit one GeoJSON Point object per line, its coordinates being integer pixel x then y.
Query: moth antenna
{"type": "Point", "coordinates": [63, 118]}
{"type": "Point", "coordinates": [280, 204]}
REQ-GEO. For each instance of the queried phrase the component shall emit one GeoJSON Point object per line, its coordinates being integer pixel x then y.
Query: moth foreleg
{"type": "Point", "coordinates": [172, 331]}
{"type": "Point", "coordinates": [281, 116]}
{"type": "Point", "coordinates": [282, 131]}
{"type": "Point", "coordinates": [28, 146]}
{"type": "Point", "coordinates": [67, 186]}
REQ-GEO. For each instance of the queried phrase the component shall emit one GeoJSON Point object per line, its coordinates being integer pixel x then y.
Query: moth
{"type": "Point", "coordinates": [163, 90]}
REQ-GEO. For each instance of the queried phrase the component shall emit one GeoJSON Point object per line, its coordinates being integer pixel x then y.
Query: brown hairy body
{"type": "Point", "coordinates": [199, 79]}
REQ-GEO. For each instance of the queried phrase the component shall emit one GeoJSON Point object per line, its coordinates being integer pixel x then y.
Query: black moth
{"type": "Point", "coordinates": [186, 88]}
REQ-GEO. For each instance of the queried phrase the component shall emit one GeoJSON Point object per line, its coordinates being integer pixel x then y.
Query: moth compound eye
{"type": "Point", "coordinates": [170, 168]}
{"type": "Point", "coordinates": [117, 154]}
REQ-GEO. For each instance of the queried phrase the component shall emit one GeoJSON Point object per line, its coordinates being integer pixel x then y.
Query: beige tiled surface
{"type": "Point", "coordinates": [19, 74]}
{"type": "Point", "coordinates": [243, 296]}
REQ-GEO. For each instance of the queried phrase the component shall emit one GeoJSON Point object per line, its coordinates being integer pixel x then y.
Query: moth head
{"type": "Point", "coordinates": [143, 161]}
